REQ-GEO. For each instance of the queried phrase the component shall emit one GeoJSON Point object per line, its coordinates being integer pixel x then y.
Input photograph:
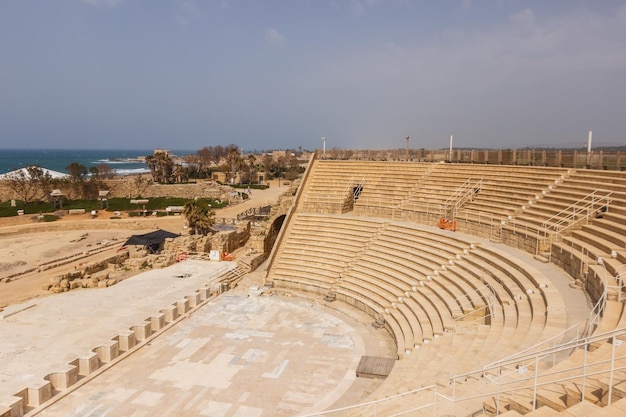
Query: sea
{"type": "Point", "coordinates": [123, 162]}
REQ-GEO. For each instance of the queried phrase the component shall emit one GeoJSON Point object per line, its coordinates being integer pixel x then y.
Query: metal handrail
{"type": "Point", "coordinates": [536, 378]}
{"type": "Point", "coordinates": [458, 192]}
{"type": "Point", "coordinates": [567, 217]}
{"type": "Point", "coordinates": [462, 194]}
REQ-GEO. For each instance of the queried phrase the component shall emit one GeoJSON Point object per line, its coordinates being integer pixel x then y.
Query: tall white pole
{"type": "Point", "coordinates": [324, 147]}
{"type": "Point", "coordinates": [407, 147]}
{"type": "Point", "coordinates": [451, 139]}
{"type": "Point", "coordinates": [589, 142]}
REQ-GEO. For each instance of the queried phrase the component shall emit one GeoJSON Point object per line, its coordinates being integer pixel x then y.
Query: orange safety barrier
{"type": "Point", "coordinates": [228, 256]}
{"type": "Point", "coordinates": [447, 224]}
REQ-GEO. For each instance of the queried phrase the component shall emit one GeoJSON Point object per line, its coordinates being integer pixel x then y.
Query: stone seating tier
{"type": "Point", "coordinates": [524, 304]}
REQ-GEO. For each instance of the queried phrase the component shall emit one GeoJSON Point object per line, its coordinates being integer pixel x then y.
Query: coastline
{"type": "Point", "coordinates": [124, 161]}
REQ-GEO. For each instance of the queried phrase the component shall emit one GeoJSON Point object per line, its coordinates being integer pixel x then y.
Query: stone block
{"type": "Point", "coordinates": [108, 352]}
{"type": "Point", "coordinates": [204, 293]}
{"type": "Point", "coordinates": [143, 331]}
{"type": "Point", "coordinates": [88, 364]}
{"type": "Point", "coordinates": [194, 300]}
{"type": "Point", "coordinates": [157, 322]}
{"type": "Point", "coordinates": [183, 306]}
{"type": "Point", "coordinates": [39, 394]}
{"type": "Point", "coordinates": [170, 313]}
{"type": "Point", "coordinates": [64, 378]}
{"type": "Point", "coordinates": [5, 411]}
{"type": "Point", "coordinates": [126, 340]}
{"type": "Point", "coordinates": [12, 407]}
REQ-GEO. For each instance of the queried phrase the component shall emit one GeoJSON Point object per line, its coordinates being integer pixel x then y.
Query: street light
{"type": "Point", "coordinates": [407, 147]}
{"type": "Point", "coordinates": [324, 147]}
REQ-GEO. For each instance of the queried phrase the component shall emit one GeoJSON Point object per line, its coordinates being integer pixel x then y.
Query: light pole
{"type": "Point", "coordinates": [407, 148]}
{"type": "Point", "coordinates": [451, 139]}
{"type": "Point", "coordinates": [324, 147]}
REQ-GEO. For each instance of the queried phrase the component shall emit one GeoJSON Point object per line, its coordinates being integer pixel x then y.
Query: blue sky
{"type": "Point", "coordinates": [183, 74]}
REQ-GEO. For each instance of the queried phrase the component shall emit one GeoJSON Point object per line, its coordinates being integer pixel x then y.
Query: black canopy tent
{"type": "Point", "coordinates": [152, 240]}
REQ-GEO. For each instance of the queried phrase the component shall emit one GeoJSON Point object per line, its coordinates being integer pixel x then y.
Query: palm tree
{"type": "Point", "coordinates": [199, 217]}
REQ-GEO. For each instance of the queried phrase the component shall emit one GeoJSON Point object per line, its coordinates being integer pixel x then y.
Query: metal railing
{"type": "Point", "coordinates": [582, 210]}
{"type": "Point", "coordinates": [254, 211]}
{"type": "Point", "coordinates": [523, 372]}
{"type": "Point", "coordinates": [460, 196]}
{"type": "Point", "coordinates": [510, 374]}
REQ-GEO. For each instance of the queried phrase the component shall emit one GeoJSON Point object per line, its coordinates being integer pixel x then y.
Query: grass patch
{"type": "Point", "coordinates": [115, 204]}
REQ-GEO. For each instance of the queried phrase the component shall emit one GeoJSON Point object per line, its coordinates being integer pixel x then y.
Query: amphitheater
{"type": "Point", "coordinates": [445, 289]}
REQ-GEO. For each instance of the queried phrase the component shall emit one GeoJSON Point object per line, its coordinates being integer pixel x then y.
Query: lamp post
{"type": "Point", "coordinates": [451, 139]}
{"type": "Point", "coordinates": [324, 147]}
{"type": "Point", "coordinates": [589, 149]}
{"type": "Point", "coordinates": [407, 148]}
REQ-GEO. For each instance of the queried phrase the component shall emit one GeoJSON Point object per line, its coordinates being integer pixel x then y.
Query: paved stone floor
{"type": "Point", "coordinates": [237, 356]}
{"type": "Point", "coordinates": [43, 334]}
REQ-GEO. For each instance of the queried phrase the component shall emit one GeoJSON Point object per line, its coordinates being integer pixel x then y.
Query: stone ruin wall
{"type": "Point", "coordinates": [262, 238]}
{"type": "Point", "coordinates": [127, 188]}
{"type": "Point", "coordinates": [112, 270]}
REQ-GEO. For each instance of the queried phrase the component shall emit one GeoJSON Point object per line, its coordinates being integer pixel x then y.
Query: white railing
{"type": "Point", "coordinates": [352, 190]}
{"type": "Point", "coordinates": [515, 376]}
{"type": "Point", "coordinates": [581, 210]}
{"type": "Point", "coordinates": [501, 379]}
{"type": "Point", "coordinates": [482, 218]}
{"type": "Point", "coordinates": [461, 195]}
{"type": "Point", "coordinates": [620, 275]}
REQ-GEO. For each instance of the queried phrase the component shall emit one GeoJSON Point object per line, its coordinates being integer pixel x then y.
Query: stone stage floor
{"type": "Point", "coordinates": [237, 356]}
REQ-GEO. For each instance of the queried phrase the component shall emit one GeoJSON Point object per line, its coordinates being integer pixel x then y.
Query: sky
{"type": "Point", "coordinates": [184, 74]}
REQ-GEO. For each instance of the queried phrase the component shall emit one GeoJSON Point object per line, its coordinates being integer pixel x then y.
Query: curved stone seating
{"type": "Point", "coordinates": [384, 184]}
{"type": "Point", "coordinates": [418, 277]}
{"type": "Point", "coordinates": [420, 280]}
{"type": "Point", "coordinates": [318, 248]}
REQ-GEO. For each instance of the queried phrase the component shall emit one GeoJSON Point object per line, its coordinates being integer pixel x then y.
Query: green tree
{"type": "Point", "coordinates": [199, 217]}
{"type": "Point", "coordinates": [77, 171]}
{"type": "Point", "coordinates": [161, 167]}
{"type": "Point", "coordinates": [234, 161]}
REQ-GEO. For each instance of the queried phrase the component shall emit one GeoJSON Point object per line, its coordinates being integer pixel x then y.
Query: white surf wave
{"type": "Point", "coordinates": [131, 171]}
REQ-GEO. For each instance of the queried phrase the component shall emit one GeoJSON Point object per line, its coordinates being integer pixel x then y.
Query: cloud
{"type": "Point", "coordinates": [356, 8]}
{"type": "Point", "coordinates": [110, 3]}
{"type": "Point", "coordinates": [274, 37]}
{"type": "Point", "coordinates": [526, 78]}
{"type": "Point", "coordinates": [188, 13]}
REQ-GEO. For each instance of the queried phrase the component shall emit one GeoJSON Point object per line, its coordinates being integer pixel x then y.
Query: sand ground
{"type": "Point", "coordinates": [29, 249]}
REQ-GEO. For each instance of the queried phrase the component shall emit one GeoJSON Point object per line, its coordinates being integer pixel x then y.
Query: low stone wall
{"type": "Point", "coordinates": [90, 275]}
{"type": "Point", "coordinates": [63, 226]}
{"type": "Point", "coordinates": [127, 188]}
{"type": "Point", "coordinates": [520, 240]}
